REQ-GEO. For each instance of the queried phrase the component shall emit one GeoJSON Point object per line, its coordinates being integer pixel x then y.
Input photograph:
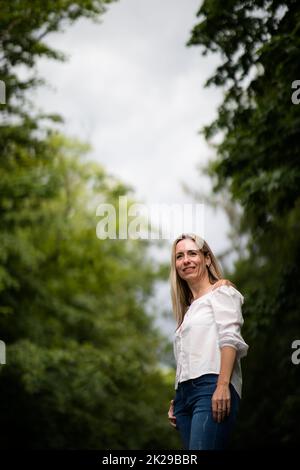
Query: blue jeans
{"type": "Point", "coordinates": [194, 418]}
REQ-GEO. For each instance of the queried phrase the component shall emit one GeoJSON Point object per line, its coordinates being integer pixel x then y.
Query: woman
{"type": "Point", "coordinates": [208, 347]}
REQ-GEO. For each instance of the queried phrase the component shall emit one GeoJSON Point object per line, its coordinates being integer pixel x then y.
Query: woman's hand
{"type": "Point", "coordinates": [221, 402]}
{"type": "Point", "coordinates": [223, 282]}
{"type": "Point", "coordinates": [171, 416]}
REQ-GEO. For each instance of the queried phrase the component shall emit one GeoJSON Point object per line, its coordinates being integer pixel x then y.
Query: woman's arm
{"type": "Point", "coordinates": [228, 355]}
{"type": "Point", "coordinates": [221, 396]}
{"type": "Point", "coordinates": [226, 305]}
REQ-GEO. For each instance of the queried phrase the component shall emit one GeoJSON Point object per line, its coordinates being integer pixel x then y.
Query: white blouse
{"type": "Point", "coordinates": [212, 321]}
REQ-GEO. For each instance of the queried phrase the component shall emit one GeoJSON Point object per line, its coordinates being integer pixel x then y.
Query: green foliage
{"type": "Point", "coordinates": [24, 25]}
{"type": "Point", "coordinates": [257, 165]}
{"type": "Point", "coordinates": [83, 355]}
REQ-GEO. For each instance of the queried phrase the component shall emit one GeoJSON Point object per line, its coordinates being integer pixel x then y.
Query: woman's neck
{"type": "Point", "coordinates": [200, 288]}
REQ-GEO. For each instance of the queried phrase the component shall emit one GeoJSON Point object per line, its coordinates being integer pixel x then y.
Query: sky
{"type": "Point", "coordinates": [135, 92]}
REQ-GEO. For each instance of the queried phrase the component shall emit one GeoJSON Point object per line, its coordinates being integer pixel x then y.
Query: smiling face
{"type": "Point", "coordinates": [190, 262]}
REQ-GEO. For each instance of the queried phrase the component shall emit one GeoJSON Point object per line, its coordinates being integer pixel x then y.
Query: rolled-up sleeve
{"type": "Point", "coordinates": [227, 308]}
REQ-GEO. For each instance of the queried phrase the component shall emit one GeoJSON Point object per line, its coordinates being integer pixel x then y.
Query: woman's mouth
{"type": "Point", "coordinates": [188, 269]}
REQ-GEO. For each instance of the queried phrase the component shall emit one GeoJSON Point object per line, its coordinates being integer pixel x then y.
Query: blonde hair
{"type": "Point", "coordinates": [180, 292]}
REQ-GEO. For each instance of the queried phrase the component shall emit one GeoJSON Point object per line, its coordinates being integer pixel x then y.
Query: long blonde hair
{"type": "Point", "coordinates": [180, 292]}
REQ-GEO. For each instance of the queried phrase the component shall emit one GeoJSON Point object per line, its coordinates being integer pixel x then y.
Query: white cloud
{"type": "Point", "coordinates": [135, 91]}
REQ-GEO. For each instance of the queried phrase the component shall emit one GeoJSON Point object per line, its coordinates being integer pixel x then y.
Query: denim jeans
{"type": "Point", "coordinates": [194, 418]}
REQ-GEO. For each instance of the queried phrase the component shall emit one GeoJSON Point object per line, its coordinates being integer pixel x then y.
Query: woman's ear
{"type": "Point", "coordinates": [208, 260]}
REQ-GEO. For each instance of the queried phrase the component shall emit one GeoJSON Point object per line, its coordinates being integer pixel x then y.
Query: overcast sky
{"type": "Point", "coordinates": [134, 90]}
